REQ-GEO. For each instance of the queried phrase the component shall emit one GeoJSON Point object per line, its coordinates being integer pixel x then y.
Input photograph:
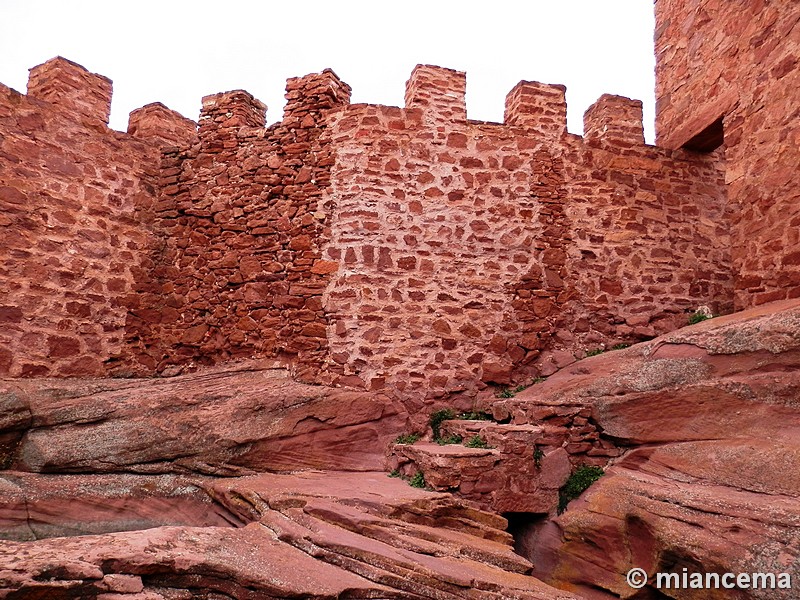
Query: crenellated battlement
{"type": "Point", "coordinates": [158, 123]}
{"type": "Point", "coordinates": [614, 119]}
{"type": "Point", "coordinates": [538, 106]}
{"type": "Point", "coordinates": [72, 88]}
{"type": "Point", "coordinates": [440, 93]}
{"type": "Point", "coordinates": [436, 93]}
{"type": "Point", "coordinates": [313, 93]}
{"type": "Point", "coordinates": [231, 110]}
{"type": "Point", "coordinates": [363, 245]}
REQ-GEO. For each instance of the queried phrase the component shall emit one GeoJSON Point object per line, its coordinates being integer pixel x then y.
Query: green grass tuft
{"type": "Point", "coordinates": [507, 392]}
{"type": "Point", "coordinates": [698, 317]}
{"type": "Point", "coordinates": [453, 438]}
{"type": "Point", "coordinates": [580, 480]}
{"type": "Point", "coordinates": [446, 414]}
{"type": "Point", "coordinates": [476, 441]}
{"type": "Point", "coordinates": [408, 438]}
{"type": "Point", "coordinates": [538, 455]}
{"type": "Point", "coordinates": [418, 480]}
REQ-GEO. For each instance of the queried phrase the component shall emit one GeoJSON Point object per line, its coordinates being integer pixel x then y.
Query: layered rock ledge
{"type": "Point", "coordinates": [307, 535]}
{"type": "Point", "coordinates": [237, 482]}
{"type": "Point", "coordinates": [707, 418]}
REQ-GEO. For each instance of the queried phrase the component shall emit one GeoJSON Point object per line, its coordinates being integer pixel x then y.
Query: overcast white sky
{"type": "Point", "coordinates": [175, 52]}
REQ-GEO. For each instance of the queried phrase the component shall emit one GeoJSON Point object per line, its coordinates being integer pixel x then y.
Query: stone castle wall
{"type": "Point", "coordinates": [476, 251]}
{"type": "Point", "coordinates": [75, 200]}
{"type": "Point", "coordinates": [363, 245]}
{"type": "Point", "coordinates": [731, 70]}
{"type": "Point", "coordinates": [243, 219]}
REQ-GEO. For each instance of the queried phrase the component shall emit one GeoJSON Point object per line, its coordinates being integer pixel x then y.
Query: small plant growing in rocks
{"type": "Point", "coordinates": [507, 392]}
{"type": "Point", "coordinates": [580, 480]}
{"type": "Point", "coordinates": [436, 420]}
{"type": "Point", "coordinates": [407, 438]}
{"type": "Point", "coordinates": [476, 441]}
{"type": "Point", "coordinates": [418, 480]}
{"type": "Point", "coordinates": [453, 438]}
{"type": "Point", "coordinates": [538, 455]}
{"type": "Point", "coordinates": [698, 317]}
{"type": "Point", "coordinates": [395, 473]}
{"type": "Point", "coordinates": [701, 314]}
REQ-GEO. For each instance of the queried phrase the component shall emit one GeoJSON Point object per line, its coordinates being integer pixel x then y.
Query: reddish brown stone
{"type": "Point", "coordinates": [496, 372]}
{"type": "Point", "coordinates": [316, 330]}
{"type": "Point", "coordinates": [194, 335]}
{"type": "Point", "coordinates": [61, 347]}
{"type": "Point", "coordinates": [10, 314]}
{"type": "Point", "coordinates": [324, 535]}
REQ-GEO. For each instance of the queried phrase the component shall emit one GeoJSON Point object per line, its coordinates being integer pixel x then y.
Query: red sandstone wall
{"type": "Point", "coordinates": [740, 60]}
{"type": "Point", "coordinates": [472, 251]}
{"type": "Point", "coordinates": [432, 235]}
{"type": "Point", "coordinates": [364, 245]}
{"type": "Point", "coordinates": [649, 230]}
{"type": "Point", "coordinates": [242, 218]}
{"type": "Point", "coordinates": [74, 200]}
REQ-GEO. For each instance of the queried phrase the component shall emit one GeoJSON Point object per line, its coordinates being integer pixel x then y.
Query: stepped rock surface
{"type": "Point", "coordinates": [710, 478]}
{"type": "Point", "coordinates": [147, 489]}
{"type": "Point", "coordinates": [307, 535]}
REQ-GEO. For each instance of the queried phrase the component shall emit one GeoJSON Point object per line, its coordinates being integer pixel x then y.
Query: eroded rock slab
{"type": "Point", "coordinates": [36, 506]}
{"type": "Point", "coordinates": [708, 418]}
{"type": "Point", "coordinates": [308, 535]}
{"type": "Point", "coordinates": [228, 420]}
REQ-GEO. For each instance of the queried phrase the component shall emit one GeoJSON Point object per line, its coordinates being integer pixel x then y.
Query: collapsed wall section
{"type": "Point", "coordinates": [474, 252]}
{"type": "Point", "coordinates": [729, 71]}
{"type": "Point", "coordinates": [242, 215]}
{"type": "Point", "coordinates": [75, 200]}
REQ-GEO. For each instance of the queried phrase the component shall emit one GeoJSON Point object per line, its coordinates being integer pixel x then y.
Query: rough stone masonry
{"type": "Point", "coordinates": [406, 248]}
{"type": "Point", "coordinates": [363, 245]}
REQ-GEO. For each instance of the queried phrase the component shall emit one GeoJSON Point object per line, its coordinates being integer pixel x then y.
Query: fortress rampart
{"type": "Point", "coordinates": [492, 251]}
{"type": "Point", "coordinates": [729, 72]}
{"type": "Point", "coordinates": [363, 245]}
{"type": "Point", "coordinates": [76, 203]}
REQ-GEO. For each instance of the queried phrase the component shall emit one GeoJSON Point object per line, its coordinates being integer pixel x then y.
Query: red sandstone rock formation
{"type": "Point", "coordinates": [311, 535]}
{"type": "Point", "coordinates": [231, 420]}
{"type": "Point", "coordinates": [707, 417]}
{"type": "Point", "coordinates": [422, 256]}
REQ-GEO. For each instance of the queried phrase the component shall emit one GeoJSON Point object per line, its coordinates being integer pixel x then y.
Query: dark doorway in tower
{"type": "Point", "coordinates": [709, 139]}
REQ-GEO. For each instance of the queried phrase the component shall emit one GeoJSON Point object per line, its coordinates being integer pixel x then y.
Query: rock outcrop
{"type": "Point", "coordinates": [308, 535]}
{"type": "Point", "coordinates": [155, 489]}
{"type": "Point", "coordinates": [232, 420]}
{"type": "Point", "coordinates": [709, 422]}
